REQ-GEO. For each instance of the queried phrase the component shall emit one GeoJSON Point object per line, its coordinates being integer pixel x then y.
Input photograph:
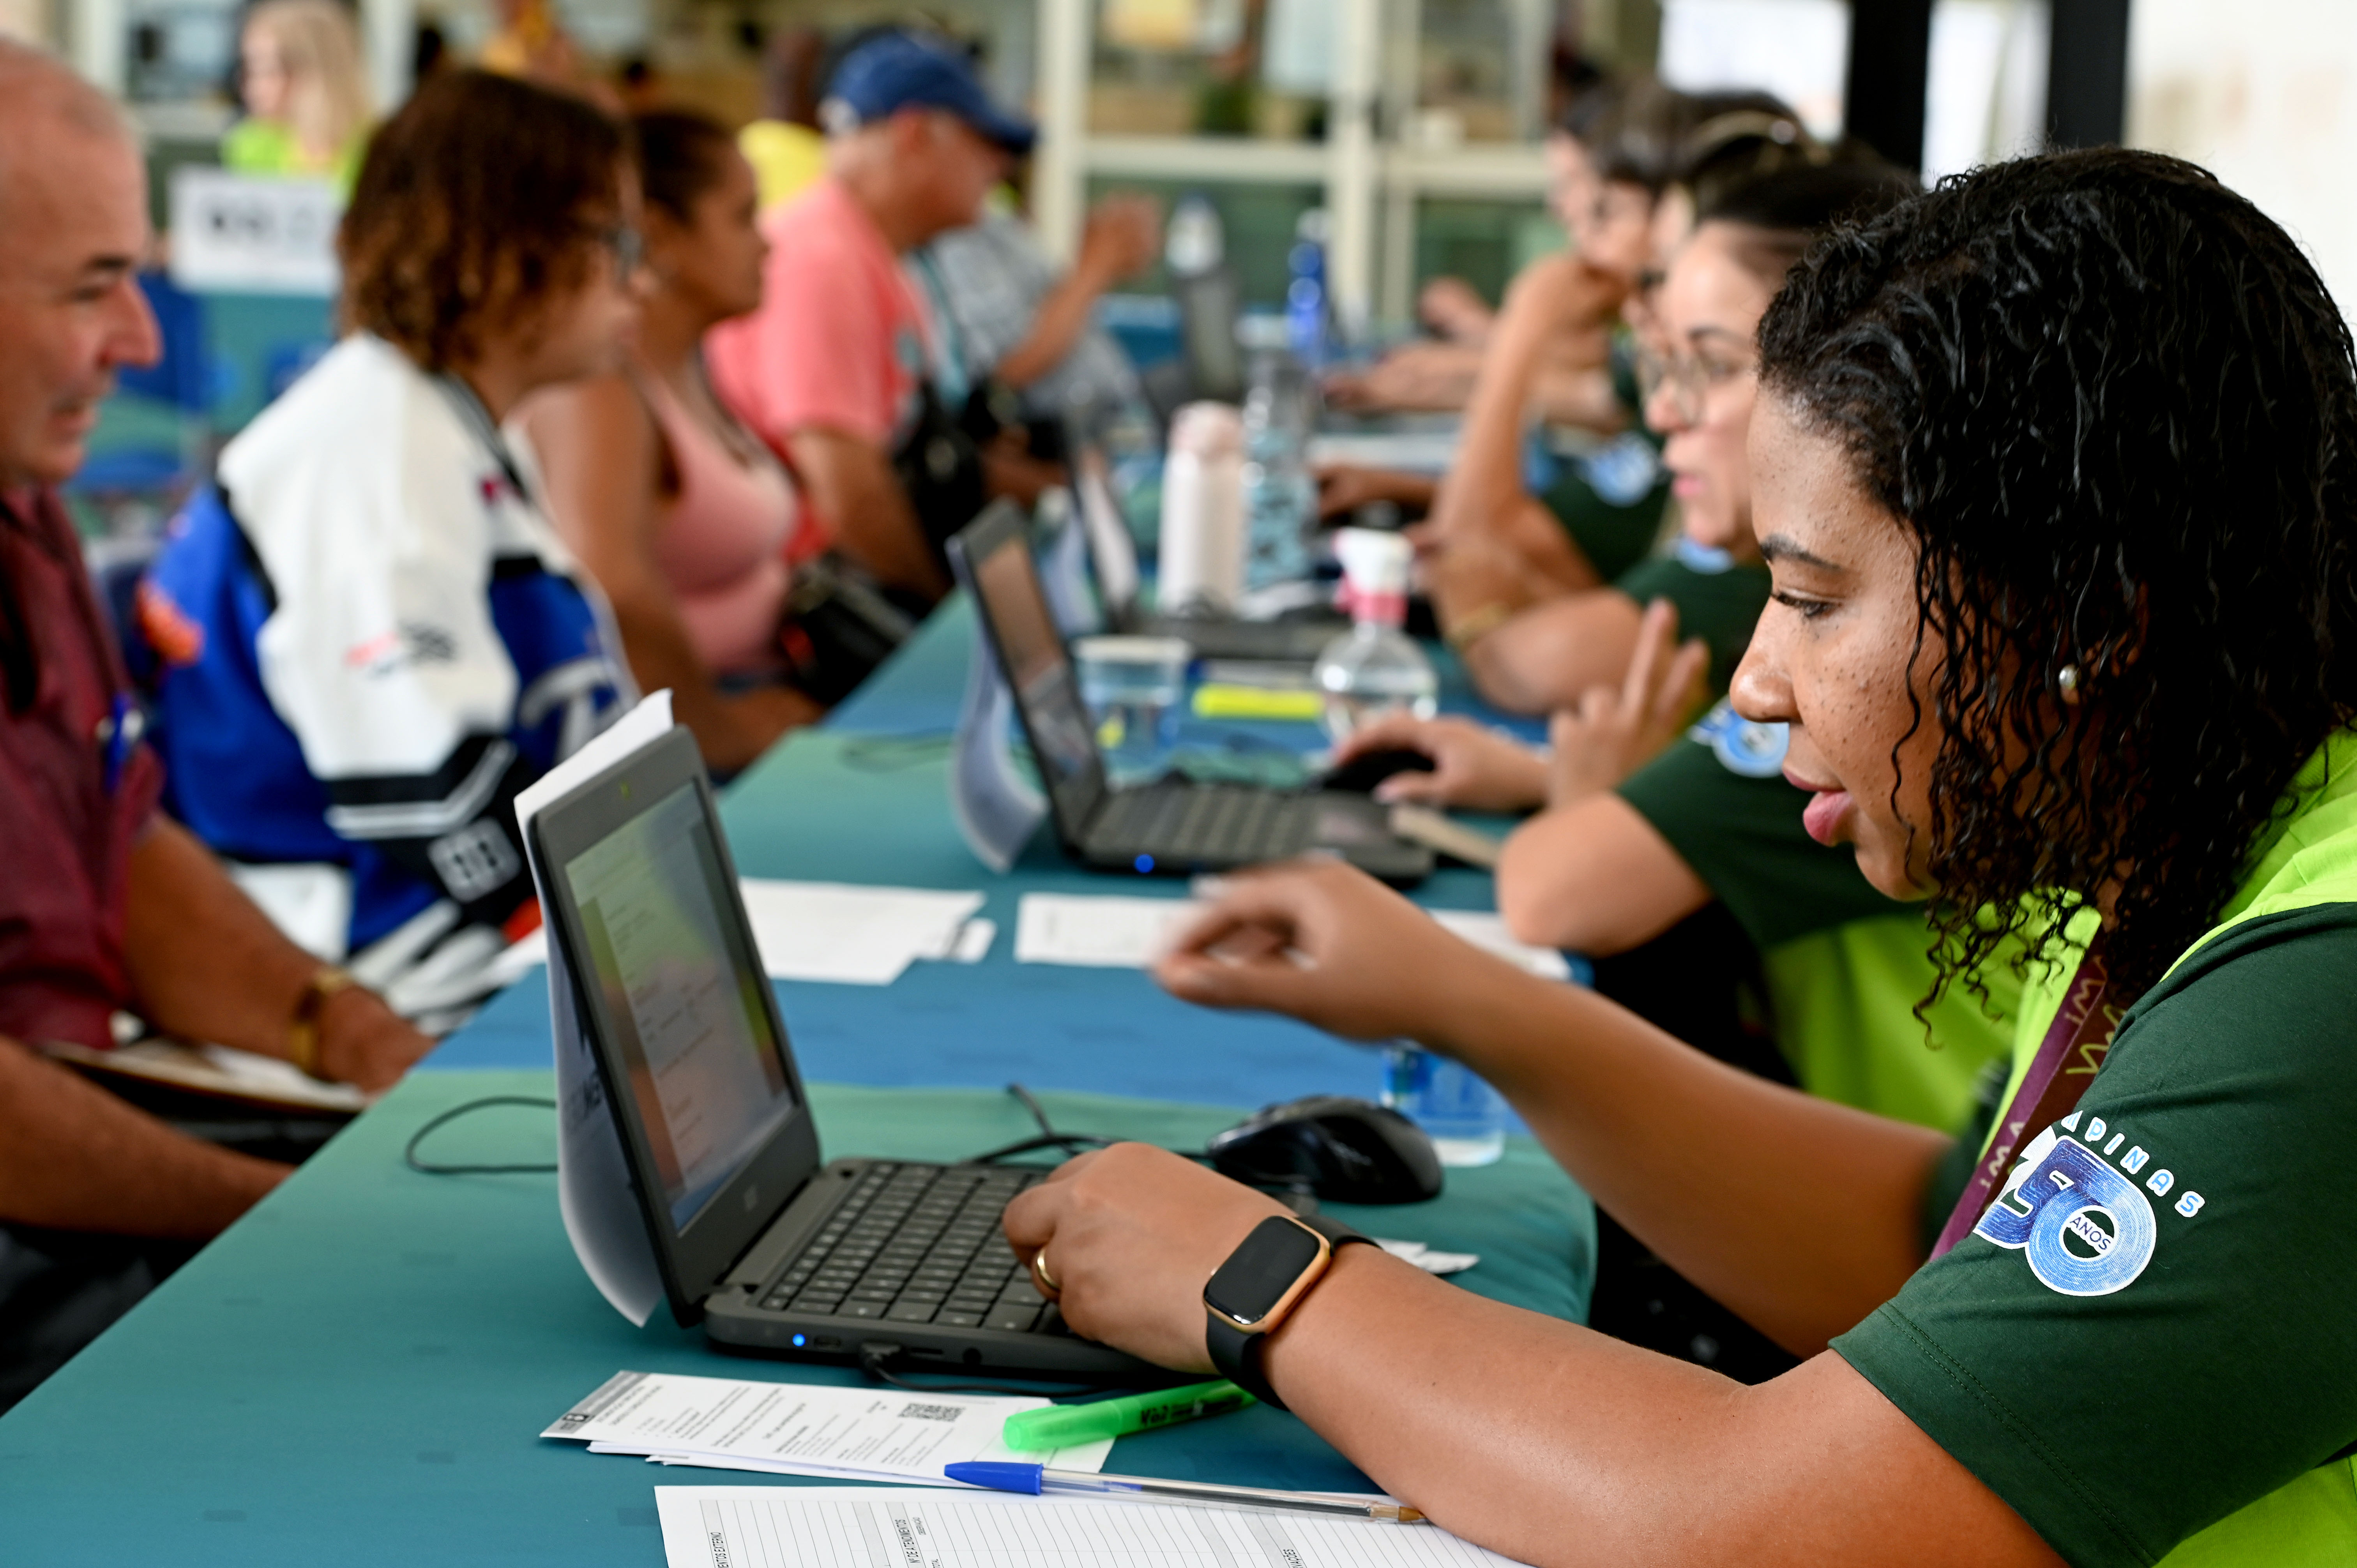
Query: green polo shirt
{"type": "Point", "coordinates": [1844, 966]}
{"type": "Point", "coordinates": [1717, 599]}
{"type": "Point", "coordinates": [2153, 1353]}
{"type": "Point", "coordinates": [1610, 501]}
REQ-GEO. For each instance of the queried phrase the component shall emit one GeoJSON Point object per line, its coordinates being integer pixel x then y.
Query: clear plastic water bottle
{"type": "Point", "coordinates": [1463, 1116]}
{"type": "Point", "coordinates": [1280, 495]}
{"type": "Point", "coordinates": [1374, 668]}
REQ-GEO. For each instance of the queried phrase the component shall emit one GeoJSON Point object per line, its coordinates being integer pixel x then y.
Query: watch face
{"type": "Point", "coordinates": [1257, 1275]}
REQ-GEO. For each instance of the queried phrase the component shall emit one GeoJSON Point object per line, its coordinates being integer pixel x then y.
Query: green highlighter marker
{"type": "Point", "coordinates": [1061, 1426]}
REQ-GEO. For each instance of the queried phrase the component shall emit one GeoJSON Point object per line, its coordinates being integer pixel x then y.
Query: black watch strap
{"type": "Point", "coordinates": [1237, 1354]}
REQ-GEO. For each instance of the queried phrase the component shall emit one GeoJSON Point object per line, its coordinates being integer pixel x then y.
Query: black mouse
{"type": "Point", "coordinates": [1364, 772]}
{"type": "Point", "coordinates": [1341, 1149]}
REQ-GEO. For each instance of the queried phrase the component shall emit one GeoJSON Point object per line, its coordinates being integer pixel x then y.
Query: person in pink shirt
{"type": "Point", "coordinates": [686, 519]}
{"type": "Point", "coordinates": [830, 371]}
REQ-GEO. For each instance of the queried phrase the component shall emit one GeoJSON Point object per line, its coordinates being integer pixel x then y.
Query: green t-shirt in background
{"type": "Point", "coordinates": [1616, 535]}
{"type": "Point", "coordinates": [1844, 966]}
{"type": "Point", "coordinates": [1718, 600]}
{"type": "Point", "coordinates": [268, 147]}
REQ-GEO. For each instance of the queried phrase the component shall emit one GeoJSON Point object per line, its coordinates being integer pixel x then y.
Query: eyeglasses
{"type": "Point", "coordinates": [1689, 378]}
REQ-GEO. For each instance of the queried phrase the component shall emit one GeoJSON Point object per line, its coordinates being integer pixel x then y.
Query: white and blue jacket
{"type": "Point", "coordinates": [372, 640]}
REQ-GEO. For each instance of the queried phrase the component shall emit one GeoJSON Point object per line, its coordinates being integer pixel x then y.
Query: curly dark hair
{"type": "Point", "coordinates": [483, 198]}
{"type": "Point", "coordinates": [2114, 405]}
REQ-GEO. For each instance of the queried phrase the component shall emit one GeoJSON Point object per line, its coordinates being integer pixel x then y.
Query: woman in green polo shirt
{"type": "Point", "coordinates": [1626, 855]}
{"type": "Point", "coordinates": [2053, 469]}
{"type": "Point", "coordinates": [1529, 647]}
{"type": "Point", "coordinates": [1689, 881]}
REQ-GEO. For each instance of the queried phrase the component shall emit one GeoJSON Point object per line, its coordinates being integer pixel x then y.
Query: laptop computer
{"type": "Point", "coordinates": [1113, 558]}
{"type": "Point", "coordinates": [771, 1248]}
{"type": "Point", "coordinates": [1173, 827]}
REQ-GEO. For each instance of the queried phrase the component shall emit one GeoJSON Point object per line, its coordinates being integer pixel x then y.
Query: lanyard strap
{"type": "Point", "coordinates": [2068, 1059]}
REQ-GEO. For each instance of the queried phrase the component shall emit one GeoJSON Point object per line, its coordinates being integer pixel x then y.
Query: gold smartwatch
{"type": "Point", "coordinates": [1258, 1288]}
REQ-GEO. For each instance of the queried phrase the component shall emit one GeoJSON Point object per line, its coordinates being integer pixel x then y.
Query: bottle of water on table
{"type": "Point", "coordinates": [1280, 497]}
{"type": "Point", "coordinates": [1375, 668]}
{"type": "Point", "coordinates": [1463, 1116]}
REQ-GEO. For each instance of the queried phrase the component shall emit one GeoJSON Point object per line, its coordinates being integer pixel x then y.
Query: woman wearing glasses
{"type": "Point", "coordinates": [370, 638]}
{"type": "Point", "coordinates": [1537, 631]}
{"type": "Point", "coordinates": [1689, 878]}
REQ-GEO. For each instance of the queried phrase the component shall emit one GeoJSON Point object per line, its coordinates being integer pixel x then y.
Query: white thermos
{"type": "Point", "coordinates": [1202, 551]}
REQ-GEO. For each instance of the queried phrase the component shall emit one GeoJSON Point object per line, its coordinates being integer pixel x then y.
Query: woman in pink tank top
{"type": "Point", "coordinates": [688, 522]}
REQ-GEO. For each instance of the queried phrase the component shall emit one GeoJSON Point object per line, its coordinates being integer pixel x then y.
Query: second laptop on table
{"type": "Point", "coordinates": [1173, 826]}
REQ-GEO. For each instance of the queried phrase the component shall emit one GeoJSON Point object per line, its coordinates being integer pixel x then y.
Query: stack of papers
{"type": "Point", "coordinates": [1121, 932]}
{"type": "Point", "coordinates": [802, 1429]}
{"type": "Point", "coordinates": [836, 931]}
{"type": "Point", "coordinates": [847, 1527]}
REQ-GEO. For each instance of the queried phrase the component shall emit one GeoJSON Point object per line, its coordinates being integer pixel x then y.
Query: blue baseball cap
{"type": "Point", "coordinates": [900, 71]}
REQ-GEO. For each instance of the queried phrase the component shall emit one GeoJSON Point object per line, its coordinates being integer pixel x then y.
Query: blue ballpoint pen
{"type": "Point", "coordinates": [1038, 1479]}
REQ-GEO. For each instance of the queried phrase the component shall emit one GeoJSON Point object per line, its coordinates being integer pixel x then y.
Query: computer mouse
{"type": "Point", "coordinates": [1364, 772]}
{"type": "Point", "coordinates": [1341, 1149]}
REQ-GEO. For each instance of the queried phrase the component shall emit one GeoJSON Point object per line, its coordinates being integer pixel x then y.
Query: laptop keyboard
{"type": "Point", "coordinates": [1204, 822]}
{"type": "Point", "coordinates": [918, 1244]}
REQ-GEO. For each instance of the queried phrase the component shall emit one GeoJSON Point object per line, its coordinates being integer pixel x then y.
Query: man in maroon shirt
{"type": "Point", "coordinates": [105, 904]}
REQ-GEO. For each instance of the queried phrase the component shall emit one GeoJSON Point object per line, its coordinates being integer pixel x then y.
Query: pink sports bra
{"type": "Point", "coordinates": [724, 540]}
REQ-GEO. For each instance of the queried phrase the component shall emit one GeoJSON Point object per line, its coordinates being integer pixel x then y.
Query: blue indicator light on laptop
{"type": "Point", "coordinates": [1145, 866]}
{"type": "Point", "coordinates": [800, 1340]}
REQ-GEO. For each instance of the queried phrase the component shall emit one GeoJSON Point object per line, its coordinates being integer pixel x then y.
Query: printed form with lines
{"type": "Point", "coordinates": [910, 1527]}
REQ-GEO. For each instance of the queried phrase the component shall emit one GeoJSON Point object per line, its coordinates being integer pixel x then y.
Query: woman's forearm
{"type": "Point", "coordinates": [1546, 656]}
{"type": "Point", "coordinates": [1798, 1214]}
{"type": "Point", "coordinates": [1486, 475]}
{"type": "Point", "coordinates": [1558, 1447]}
{"type": "Point", "coordinates": [1593, 876]}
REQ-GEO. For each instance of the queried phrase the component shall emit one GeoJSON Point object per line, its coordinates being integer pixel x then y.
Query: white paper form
{"type": "Point", "coordinates": [1116, 933]}
{"type": "Point", "coordinates": [1122, 932]}
{"type": "Point", "coordinates": [804, 1429]}
{"type": "Point", "coordinates": [593, 1182]}
{"type": "Point", "coordinates": [839, 1527]}
{"type": "Point", "coordinates": [833, 931]}
{"type": "Point", "coordinates": [851, 935]}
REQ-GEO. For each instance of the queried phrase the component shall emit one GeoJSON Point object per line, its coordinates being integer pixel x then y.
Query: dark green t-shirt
{"type": "Point", "coordinates": [1610, 501]}
{"type": "Point", "coordinates": [2202, 1351]}
{"type": "Point", "coordinates": [1718, 603]}
{"type": "Point", "coordinates": [1719, 798]}
{"type": "Point", "coordinates": [1615, 534]}
{"type": "Point", "coordinates": [1842, 966]}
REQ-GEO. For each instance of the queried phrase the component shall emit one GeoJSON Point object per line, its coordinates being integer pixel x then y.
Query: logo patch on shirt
{"type": "Point", "coordinates": [1623, 471]}
{"type": "Point", "coordinates": [1750, 750]}
{"type": "Point", "coordinates": [2084, 1225]}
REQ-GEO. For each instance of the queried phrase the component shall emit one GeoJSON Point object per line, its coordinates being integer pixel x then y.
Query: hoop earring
{"type": "Point", "coordinates": [2066, 681]}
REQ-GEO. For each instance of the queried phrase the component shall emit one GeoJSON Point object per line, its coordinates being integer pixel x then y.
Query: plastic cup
{"type": "Point", "coordinates": [1133, 686]}
{"type": "Point", "coordinates": [1463, 1116]}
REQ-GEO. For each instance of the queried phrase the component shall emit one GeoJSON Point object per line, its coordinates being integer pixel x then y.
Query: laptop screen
{"type": "Point", "coordinates": [1041, 677]}
{"type": "Point", "coordinates": [706, 1069]}
{"type": "Point", "coordinates": [1111, 550]}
